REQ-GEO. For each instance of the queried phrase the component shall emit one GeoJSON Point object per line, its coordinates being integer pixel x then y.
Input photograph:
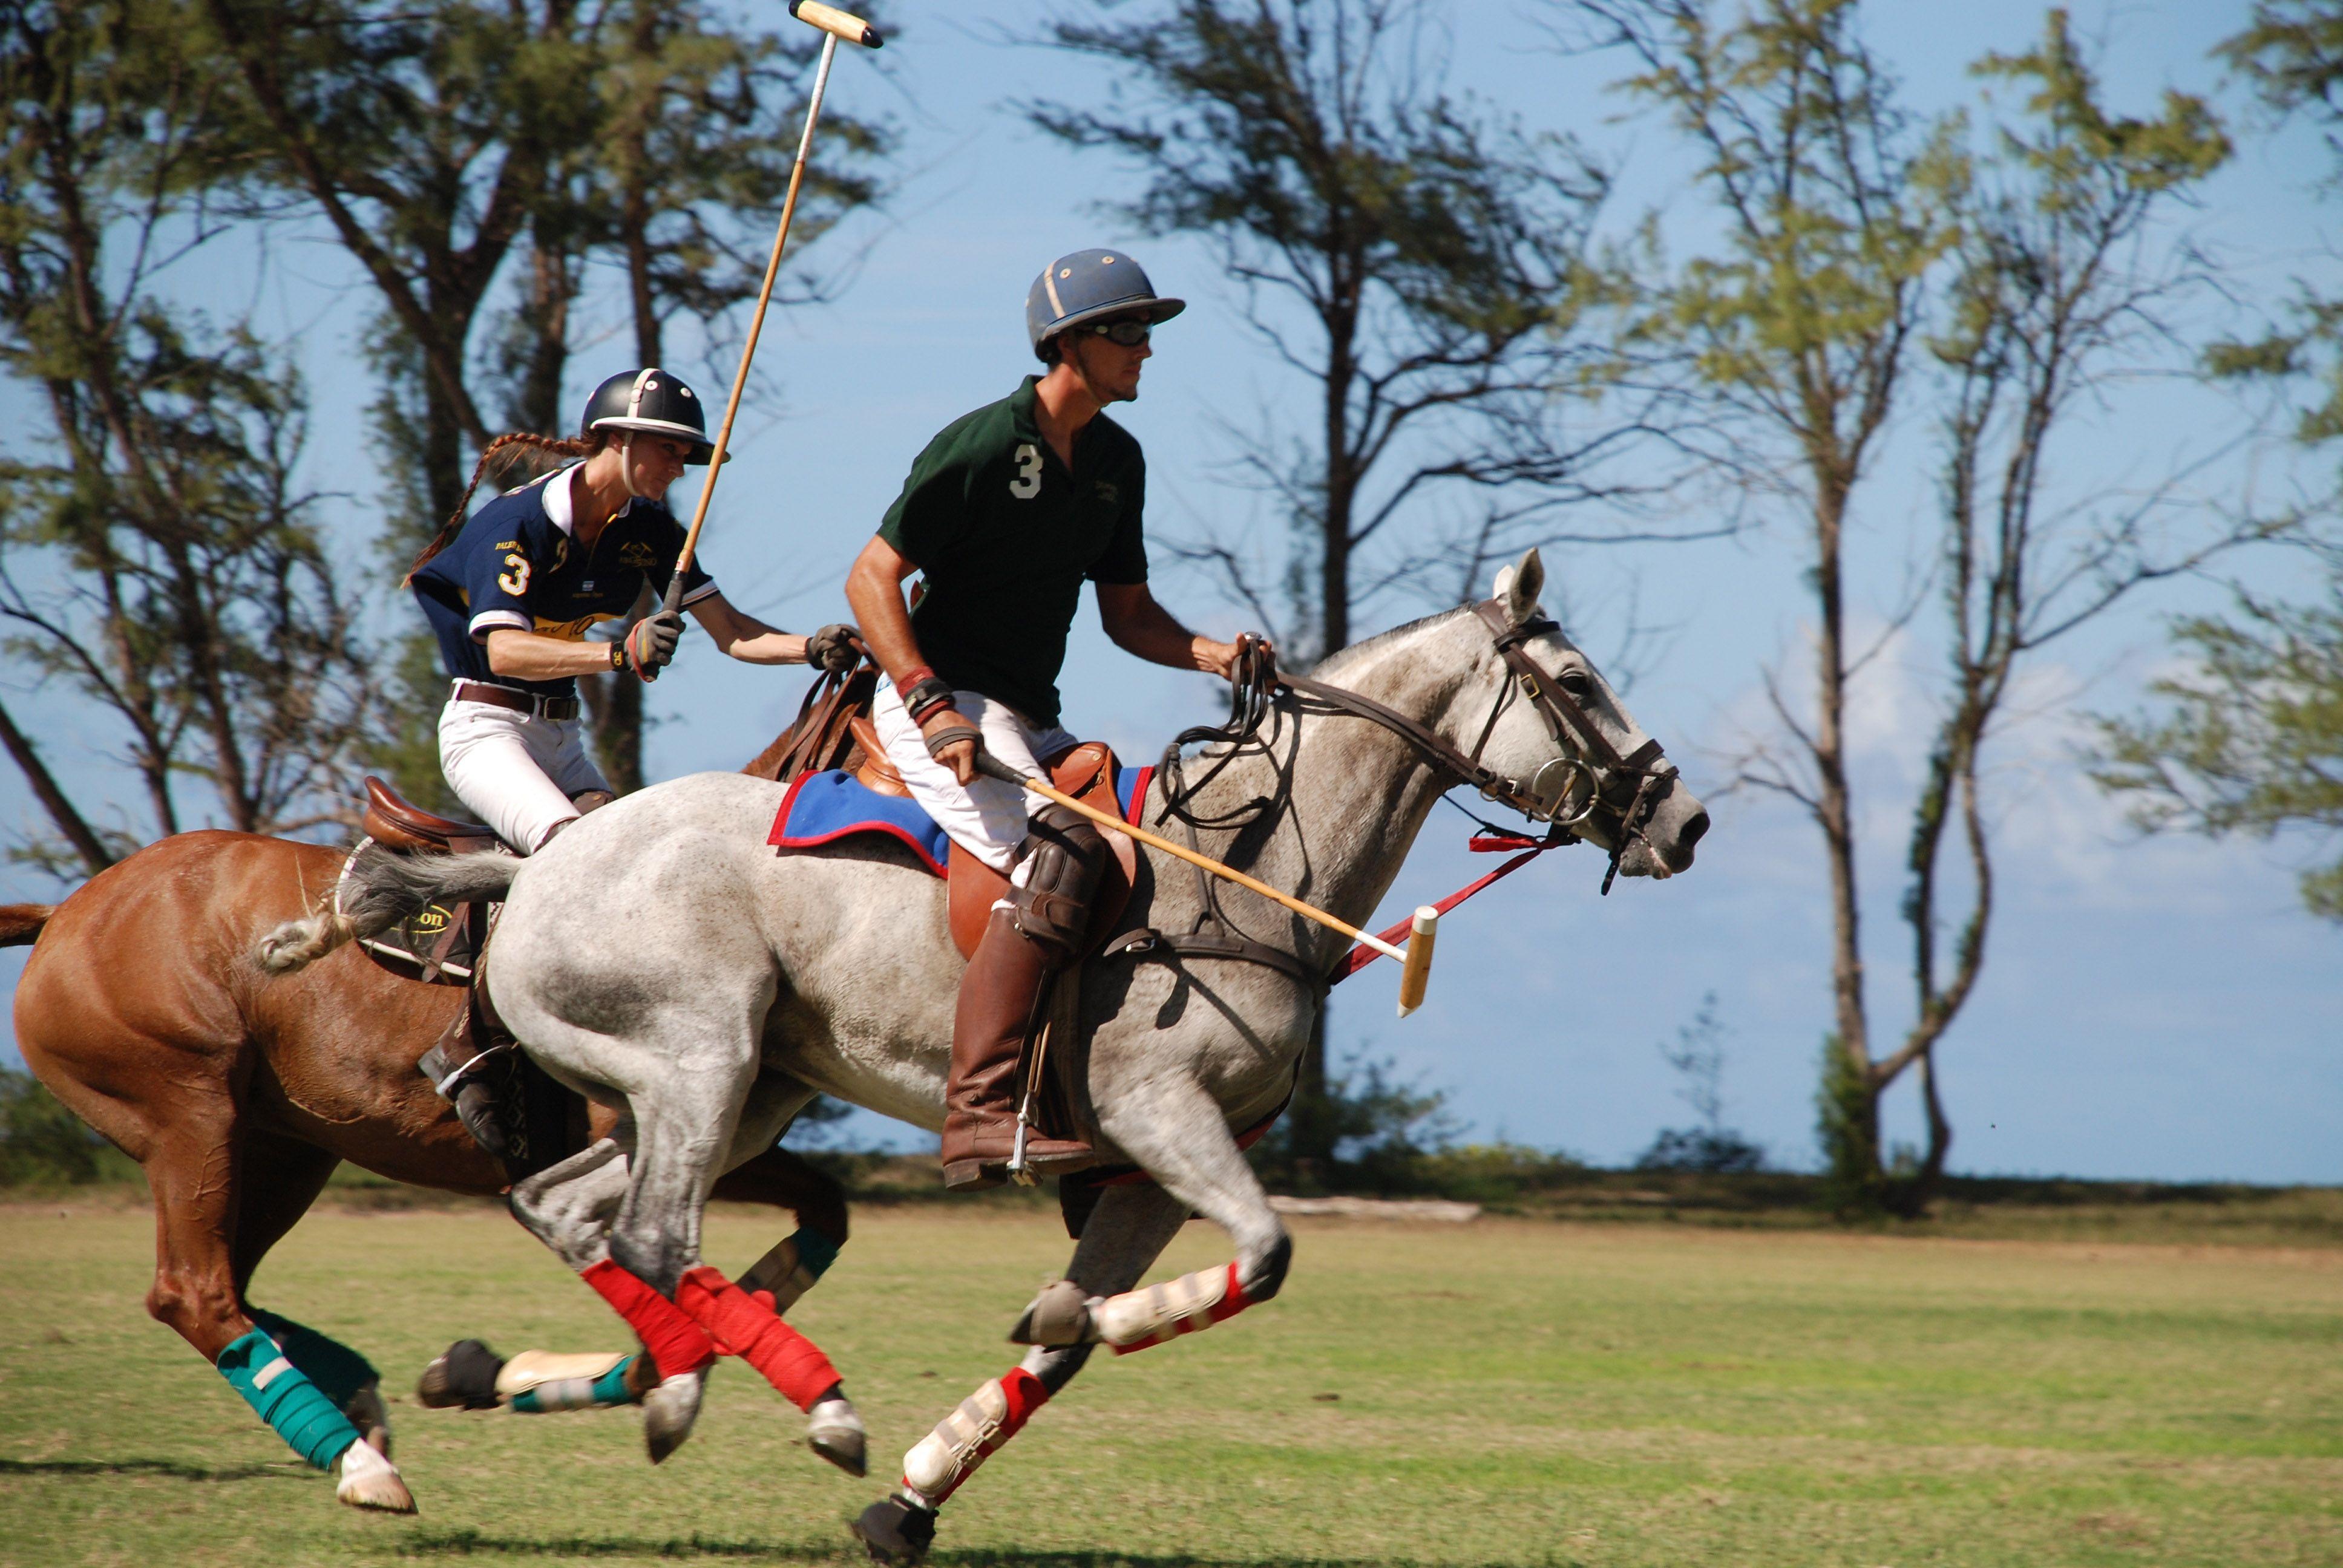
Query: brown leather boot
{"type": "Point", "coordinates": [1000, 998]}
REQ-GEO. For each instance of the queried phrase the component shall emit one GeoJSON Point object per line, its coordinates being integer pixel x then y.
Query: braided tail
{"type": "Point", "coordinates": [382, 889]}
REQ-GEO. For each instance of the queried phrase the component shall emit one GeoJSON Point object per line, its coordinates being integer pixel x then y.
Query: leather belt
{"type": "Point", "coordinates": [560, 707]}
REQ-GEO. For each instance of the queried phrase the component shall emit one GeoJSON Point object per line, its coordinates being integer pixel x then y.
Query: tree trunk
{"type": "Point", "coordinates": [70, 822]}
{"type": "Point", "coordinates": [1856, 1160]}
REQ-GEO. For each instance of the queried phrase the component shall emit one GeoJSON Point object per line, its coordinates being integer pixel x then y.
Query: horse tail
{"type": "Point", "coordinates": [381, 891]}
{"type": "Point", "coordinates": [20, 924]}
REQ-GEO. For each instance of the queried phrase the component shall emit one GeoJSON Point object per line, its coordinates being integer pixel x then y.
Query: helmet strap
{"type": "Point", "coordinates": [626, 465]}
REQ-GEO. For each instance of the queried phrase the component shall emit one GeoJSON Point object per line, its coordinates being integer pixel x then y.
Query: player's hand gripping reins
{"type": "Point", "coordinates": [835, 25]}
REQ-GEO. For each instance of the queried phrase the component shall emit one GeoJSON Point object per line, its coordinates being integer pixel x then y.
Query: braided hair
{"type": "Point", "coordinates": [574, 447]}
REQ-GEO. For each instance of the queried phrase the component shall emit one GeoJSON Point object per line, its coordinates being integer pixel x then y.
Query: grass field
{"type": "Point", "coordinates": [1504, 1391]}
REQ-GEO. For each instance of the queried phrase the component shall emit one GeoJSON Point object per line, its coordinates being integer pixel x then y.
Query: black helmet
{"type": "Point", "coordinates": [1085, 286]}
{"type": "Point", "coordinates": [654, 402]}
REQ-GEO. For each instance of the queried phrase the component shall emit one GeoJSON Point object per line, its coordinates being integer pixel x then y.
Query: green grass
{"type": "Point", "coordinates": [1506, 1391]}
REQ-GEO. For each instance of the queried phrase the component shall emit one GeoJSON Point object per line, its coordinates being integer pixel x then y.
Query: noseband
{"type": "Point", "coordinates": [1627, 787]}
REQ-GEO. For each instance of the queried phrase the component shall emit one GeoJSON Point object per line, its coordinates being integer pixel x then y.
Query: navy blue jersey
{"type": "Point", "coordinates": [517, 565]}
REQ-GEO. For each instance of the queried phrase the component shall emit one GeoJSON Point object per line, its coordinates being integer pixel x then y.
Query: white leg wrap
{"type": "Point", "coordinates": [535, 1369]}
{"type": "Point", "coordinates": [985, 1419]}
{"type": "Point", "coordinates": [1138, 1319]}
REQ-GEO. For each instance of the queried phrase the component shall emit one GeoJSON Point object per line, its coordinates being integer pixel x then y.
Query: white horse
{"type": "Point", "coordinates": [660, 955]}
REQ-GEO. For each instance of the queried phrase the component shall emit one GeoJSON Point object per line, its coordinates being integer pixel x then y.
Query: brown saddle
{"type": "Point", "coordinates": [399, 824]}
{"type": "Point", "coordinates": [1087, 773]}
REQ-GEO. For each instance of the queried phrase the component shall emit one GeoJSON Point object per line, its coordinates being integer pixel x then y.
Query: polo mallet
{"type": "Point", "coordinates": [836, 24]}
{"type": "Point", "coordinates": [1414, 960]}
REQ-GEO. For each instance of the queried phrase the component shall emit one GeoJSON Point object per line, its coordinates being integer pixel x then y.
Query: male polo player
{"type": "Point", "coordinates": [1005, 513]}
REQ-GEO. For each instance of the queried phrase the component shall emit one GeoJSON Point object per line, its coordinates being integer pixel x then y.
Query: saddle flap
{"type": "Point", "coordinates": [1087, 773]}
{"type": "Point", "coordinates": [397, 823]}
{"type": "Point", "coordinates": [875, 773]}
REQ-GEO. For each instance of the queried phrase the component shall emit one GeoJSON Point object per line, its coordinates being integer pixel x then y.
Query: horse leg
{"type": "Point", "coordinates": [1128, 1231]}
{"type": "Point", "coordinates": [195, 1173]}
{"type": "Point", "coordinates": [795, 1262]}
{"type": "Point", "coordinates": [537, 1382]}
{"type": "Point", "coordinates": [655, 1248]}
{"type": "Point", "coordinates": [280, 1178]}
{"type": "Point", "coordinates": [1178, 1134]}
{"type": "Point", "coordinates": [569, 1207]}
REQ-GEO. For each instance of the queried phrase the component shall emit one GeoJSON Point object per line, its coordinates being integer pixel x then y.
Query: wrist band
{"type": "Point", "coordinates": [925, 698]}
{"type": "Point", "coordinates": [618, 653]}
{"type": "Point", "coordinates": [915, 676]}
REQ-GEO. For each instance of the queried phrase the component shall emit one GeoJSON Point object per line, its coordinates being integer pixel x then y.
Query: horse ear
{"type": "Point", "coordinates": [1518, 587]}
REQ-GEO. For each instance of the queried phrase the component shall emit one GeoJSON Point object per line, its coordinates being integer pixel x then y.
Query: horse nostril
{"type": "Point", "coordinates": [1694, 829]}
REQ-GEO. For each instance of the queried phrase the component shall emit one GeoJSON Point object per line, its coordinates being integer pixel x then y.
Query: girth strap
{"type": "Point", "coordinates": [1146, 943]}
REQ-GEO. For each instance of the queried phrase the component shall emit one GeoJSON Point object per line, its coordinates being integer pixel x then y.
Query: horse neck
{"type": "Point", "coordinates": [1357, 794]}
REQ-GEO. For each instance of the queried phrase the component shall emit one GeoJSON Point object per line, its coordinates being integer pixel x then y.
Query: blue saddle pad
{"type": "Point", "coordinates": [822, 808]}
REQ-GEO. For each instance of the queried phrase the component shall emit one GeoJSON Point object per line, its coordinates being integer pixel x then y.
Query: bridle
{"type": "Point", "coordinates": [1566, 789]}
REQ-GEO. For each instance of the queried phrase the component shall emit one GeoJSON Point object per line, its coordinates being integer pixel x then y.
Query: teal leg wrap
{"type": "Point", "coordinates": [815, 1251]}
{"type": "Point", "coordinates": [287, 1400]}
{"type": "Point", "coordinates": [578, 1393]}
{"type": "Point", "coordinates": [338, 1370]}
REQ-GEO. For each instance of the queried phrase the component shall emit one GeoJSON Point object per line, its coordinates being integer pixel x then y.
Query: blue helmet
{"type": "Point", "coordinates": [1085, 286]}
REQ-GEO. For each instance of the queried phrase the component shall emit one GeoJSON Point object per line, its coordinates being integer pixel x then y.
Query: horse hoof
{"type": "Point", "coordinates": [834, 1430]}
{"type": "Point", "coordinates": [371, 1417]}
{"type": "Point", "coordinates": [894, 1529]}
{"type": "Point", "coordinates": [370, 1481]}
{"type": "Point", "coordinates": [1060, 1315]}
{"type": "Point", "coordinates": [668, 1412]}
{"type": "Point", "coordinates": [464, 1374]}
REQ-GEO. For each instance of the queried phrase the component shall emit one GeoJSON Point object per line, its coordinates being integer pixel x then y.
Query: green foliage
{"type": "Point", "coordinates": [156, 551]}
{"type": "Point", "coordinates": [1424, 260]}
{"type": "Point", "coordinates": [2251, 741]}
{"type": "Point", "coordinates": [1378, 1128]}
{"type": "Point", "coordinates": [1847, 1128]}
{"type": "Point", "coordinates": [43, 1144]}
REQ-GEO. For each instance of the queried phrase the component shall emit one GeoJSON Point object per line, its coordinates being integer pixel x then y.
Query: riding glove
{"type": "Point", "coordinates": [652, 642]}
{"type": "Point", "coordinates": [832, 649]}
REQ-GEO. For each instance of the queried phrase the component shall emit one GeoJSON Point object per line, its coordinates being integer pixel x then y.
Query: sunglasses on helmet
{"type": "Point", "coordinates": [1121, 334]}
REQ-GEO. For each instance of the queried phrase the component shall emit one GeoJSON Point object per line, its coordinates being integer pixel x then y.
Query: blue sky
{"type": "Point", "coordinates": [2157, 1007]}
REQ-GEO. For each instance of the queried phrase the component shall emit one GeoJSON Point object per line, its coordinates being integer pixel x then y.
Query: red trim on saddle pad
{"type": "Point", "coordinates": [677, 1343]}
{"type": "Point", "coordinates": [790, 1361]}
{"type": "Point", "coordinates": [780, 839]}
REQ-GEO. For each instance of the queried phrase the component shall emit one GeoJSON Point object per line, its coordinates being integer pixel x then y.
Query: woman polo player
{"type": "Point", "coordinates": [511, 592]}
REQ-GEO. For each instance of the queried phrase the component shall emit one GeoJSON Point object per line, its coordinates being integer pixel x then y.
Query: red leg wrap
{"type": "Point", "coordinates": [1233, 1301]}
{"type": "Point", "coordinates": [676, 1342]}
{"type": "Point", "coordinates": [790, 1361]}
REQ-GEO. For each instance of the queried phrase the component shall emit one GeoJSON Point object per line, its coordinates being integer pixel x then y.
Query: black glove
{"type": "Point", "coordinates": [832, 649]}
{"type": "Point", "coordinates": [652, 642]}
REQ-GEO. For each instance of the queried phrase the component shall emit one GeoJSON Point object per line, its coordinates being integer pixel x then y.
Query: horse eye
{"type": "Point", "coordinates": [1576, 682]}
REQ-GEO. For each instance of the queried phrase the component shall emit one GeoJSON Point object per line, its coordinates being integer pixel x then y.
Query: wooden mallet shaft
{"type": "Point", "coordinates": [992, 767]}
{"type": "Point", "coordinates": [836, 24]}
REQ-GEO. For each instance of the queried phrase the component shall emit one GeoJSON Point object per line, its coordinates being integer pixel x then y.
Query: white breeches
{"type": "Point", "coordinates": [516, 772]}
{"type": "Point", "coordinates": [983, 815]}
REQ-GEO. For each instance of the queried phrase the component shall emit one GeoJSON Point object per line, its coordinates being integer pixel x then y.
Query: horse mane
{"type": "Point", "coordinates": [1343, 658]}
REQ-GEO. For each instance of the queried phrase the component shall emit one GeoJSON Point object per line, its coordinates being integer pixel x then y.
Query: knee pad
{"type": "Point", "coordinates": [1057, 875]}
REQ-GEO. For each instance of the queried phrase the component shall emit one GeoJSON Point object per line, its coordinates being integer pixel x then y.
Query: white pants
{"type": "Point", "coordinates": [983, 815]}
{"type": "Point", "coordinates": [516, 771]}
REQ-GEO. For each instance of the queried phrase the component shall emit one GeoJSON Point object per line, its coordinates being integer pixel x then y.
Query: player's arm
{"type": "Point", "coordinates": [874, 592]}
{"type": "Point", "coordinates": [743, 636]}
{"type": "Point", "coordinates": [519, 655]}
{"type": "Point", "coordinates": [1141, 625]}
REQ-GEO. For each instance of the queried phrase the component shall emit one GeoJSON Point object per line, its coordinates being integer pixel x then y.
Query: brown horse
{"type": "Point", "coordinates": [238, 1093]}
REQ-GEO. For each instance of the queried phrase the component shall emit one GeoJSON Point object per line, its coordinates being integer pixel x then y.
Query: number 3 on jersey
{"type": "Point", "coordinates": [514, 581]}
{"type": "Point", "coordinates": [1028, 482]}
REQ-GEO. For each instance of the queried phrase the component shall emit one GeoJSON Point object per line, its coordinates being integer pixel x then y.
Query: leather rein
{"type": "Point", "coordinates": [1565, 790]}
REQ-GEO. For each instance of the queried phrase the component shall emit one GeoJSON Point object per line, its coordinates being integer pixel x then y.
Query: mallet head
{"type": "Point", "coordinates": [830, 19]}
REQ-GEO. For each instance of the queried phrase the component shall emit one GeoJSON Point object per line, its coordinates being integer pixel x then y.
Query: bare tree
{"type": "Point", "coordinates": [1424, 262]}
{"type": "Point", "coordinates": [1862, 252]}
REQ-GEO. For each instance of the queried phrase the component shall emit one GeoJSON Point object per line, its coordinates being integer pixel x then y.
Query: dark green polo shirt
{"type": "Point", "coordinates": [1005, 537]}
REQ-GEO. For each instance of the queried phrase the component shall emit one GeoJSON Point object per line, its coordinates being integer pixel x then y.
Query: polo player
{"type": "Point", "coordinates": [1005, 513]}
{"type": "Point", "coordinates": [511, 592]}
